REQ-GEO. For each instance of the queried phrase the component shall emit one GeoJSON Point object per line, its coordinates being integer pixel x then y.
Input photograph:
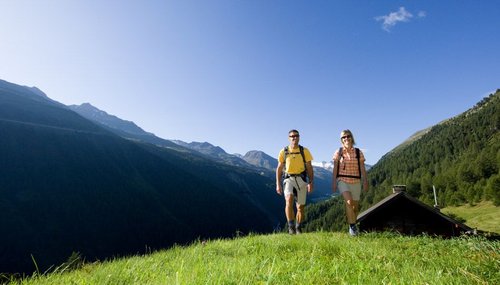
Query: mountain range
{"type": "Point", "coordinates": [76, 179]}
{"type": "Point", "coordinates": [68, 184]}
{"type": "Point", "coordinates": [130, 130]}
{"type": "Point", "coordinates": [254, 159]}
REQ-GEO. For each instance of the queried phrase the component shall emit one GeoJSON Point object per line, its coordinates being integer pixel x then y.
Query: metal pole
{"type": "Point", "coordinates": [435, 197]}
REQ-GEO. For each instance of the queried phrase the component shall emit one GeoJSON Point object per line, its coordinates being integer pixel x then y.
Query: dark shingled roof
{"type": "Point", "coordinates": [401, 212]}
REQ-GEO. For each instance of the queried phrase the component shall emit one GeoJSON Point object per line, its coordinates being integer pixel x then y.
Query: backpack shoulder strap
{"type": "Point", "coordinates": [359, 164]}
{"type": "Point", "coordinates": [305, 174]}
{"type": "Point", "coordinates": [301, 148]}
{"type": "Point", "coordinates": [285, 153]}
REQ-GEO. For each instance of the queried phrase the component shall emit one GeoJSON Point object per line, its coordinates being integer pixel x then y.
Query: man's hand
{"type": "Point", "coordinates": [310, 187]}
{"type": "Point", "coordinates": [279, 188]}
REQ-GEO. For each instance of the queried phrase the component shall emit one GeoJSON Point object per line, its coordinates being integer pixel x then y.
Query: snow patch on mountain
{"type": "Point", "coordinates": [328, 165]}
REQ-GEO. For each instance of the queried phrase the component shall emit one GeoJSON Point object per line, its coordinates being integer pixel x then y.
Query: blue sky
{"type": "Point", "coordinates": [240, 74]}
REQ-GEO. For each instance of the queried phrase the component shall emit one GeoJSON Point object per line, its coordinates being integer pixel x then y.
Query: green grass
{"type": "Point", "coordinates": [483, 216]}
{"type": "Point", "coordinates": [311, 258]}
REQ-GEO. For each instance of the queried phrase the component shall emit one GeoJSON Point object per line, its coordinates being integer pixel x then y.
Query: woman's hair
{"type": "Point", "coordinates": [347, 133]}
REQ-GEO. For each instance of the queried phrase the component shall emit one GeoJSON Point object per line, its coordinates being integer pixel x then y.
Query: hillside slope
{"type": "Point", "coordinates": [120, 127]}
{"type": "Point", "coordinates": [460, 156]}
{"type": "Point", "coordinates": [312, 258]}
{"type": "Point", "coordinates": [483, 216]}
{"type": "Point", "coordinates": [68, 185]}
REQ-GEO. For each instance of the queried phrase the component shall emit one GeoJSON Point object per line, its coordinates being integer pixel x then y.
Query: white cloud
{"type": "Point", "coordinates": [422, 14]}
{"type": "Point", "coordinates": [393, 18]}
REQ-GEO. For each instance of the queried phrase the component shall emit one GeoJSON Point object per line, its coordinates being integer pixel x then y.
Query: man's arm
{"type": "Point", "coordinates": [279, 174]}
{"type": "Point", "coordinates": [310, 174]}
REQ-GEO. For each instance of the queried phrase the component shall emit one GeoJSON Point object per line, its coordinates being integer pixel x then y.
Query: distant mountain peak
{"type": "Point", "coordinates": [260, 159]}
{"type": "Point", "coordinates": [95, 114]}
{"type": "Point", "coordinates": [28, 92]}
{"type": "Point", "coordinates": [90, 109]}
{"type": "Point", "coordinates": [38, 92]}
{"type": "Point", "coordinates": [89, 106]}
{"type": "Point", "coordinates": [204, 144]}
{"type": "Point", "coordinates": [207, 148]}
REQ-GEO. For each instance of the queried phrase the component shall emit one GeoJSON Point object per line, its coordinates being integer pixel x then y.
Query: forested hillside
{"type": "Point", "coordinates": [460, 157]}
{"type": "Point", "coordinates": [68, 185]}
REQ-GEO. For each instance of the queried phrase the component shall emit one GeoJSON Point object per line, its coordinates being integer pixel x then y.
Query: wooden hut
{"type": "Point", "coordinates": [404, 214]}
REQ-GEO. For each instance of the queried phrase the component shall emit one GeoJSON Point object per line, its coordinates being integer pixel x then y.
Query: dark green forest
{"type": "Point", "coordinates": [459, 156]}
{"type": "Point", "coordinates": [68, 186]}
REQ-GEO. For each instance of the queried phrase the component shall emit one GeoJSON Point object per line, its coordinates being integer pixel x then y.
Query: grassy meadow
{"type": "Point", "coordinates": [483, 216]}
{"type": "Point", "coordinates": [310, 258]}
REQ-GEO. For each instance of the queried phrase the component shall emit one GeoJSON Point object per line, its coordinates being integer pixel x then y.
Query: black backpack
{"type": "Point", "coordinates": [287, 152]}
{"type": "Point", "coordinates": [359, 164]}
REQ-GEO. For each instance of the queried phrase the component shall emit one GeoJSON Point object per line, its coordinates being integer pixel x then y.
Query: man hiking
{"type": "Point", "coordinates": [294, 165]}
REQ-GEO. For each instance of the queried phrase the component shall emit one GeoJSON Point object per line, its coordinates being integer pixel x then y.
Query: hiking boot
{"type": "Point", "coordinates": [353, 230]}
{"type": "Point", "coordinates": [291, 230]}
{"type": "Point", "coordinates": [298, 230]}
